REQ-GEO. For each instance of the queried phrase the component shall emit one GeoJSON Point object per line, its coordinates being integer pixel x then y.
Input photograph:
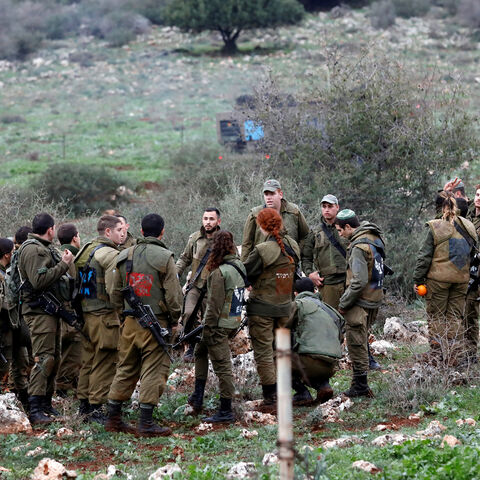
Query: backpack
{"type": "Point", "coordinates": [87, 277]}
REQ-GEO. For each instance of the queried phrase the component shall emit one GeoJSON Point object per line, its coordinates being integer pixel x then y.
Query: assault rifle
{"type": "Point", "coordinates": [146, 318]}
{"type": "Point", "coordinates": [474, 281]}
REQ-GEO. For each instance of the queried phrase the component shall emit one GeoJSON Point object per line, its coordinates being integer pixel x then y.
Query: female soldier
{"type": "Point", "coordinates": [444, 264]}
{"type": "Point", "coordinates": [225, 288]}
{"type": "Point", "coordinates": [270, 269]}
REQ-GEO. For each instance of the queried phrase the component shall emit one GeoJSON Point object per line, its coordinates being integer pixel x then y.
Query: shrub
{"type": "Point", "coordinates": [469, 13]}
{"type": "Point", "coordinates": [382, 14]}
{"type": "Point", "coordinates": [153, 10]}
{"type": "Point", "coordinates": [412, 8]}
{"type": "Point", "coordinates": [82, 188]}
{"type": "Point", "coordinates": [63, 22]}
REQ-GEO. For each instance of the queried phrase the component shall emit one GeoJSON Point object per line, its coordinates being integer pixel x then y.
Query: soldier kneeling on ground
{"type": "Point", "coordinates": [317, 331]}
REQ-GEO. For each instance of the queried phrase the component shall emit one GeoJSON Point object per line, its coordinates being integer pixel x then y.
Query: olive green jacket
{"type": "Point", "coordinates": [320, 255]}
{"type": "Point", "coordinates": [293, 220]}
{"type": "Point", "coordinates": [41, 264]}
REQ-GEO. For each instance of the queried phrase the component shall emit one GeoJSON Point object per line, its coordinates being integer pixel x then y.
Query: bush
{"type": "Point", "coordinates": [82, 188]}
{"type": "Point", "coordinates": [153, 10]}
{"type": "Point", "coordinates": [469, 13]}
{"type": "Point", "coordinates": [382, 14]}
{"type": "Point", "coordinates": [412, 8]}
{"type": "Point", "coordinates": [63, 22]}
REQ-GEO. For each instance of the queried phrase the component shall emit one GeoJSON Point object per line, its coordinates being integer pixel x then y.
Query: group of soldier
{"type": "Point", "coordinates": [75, 325]}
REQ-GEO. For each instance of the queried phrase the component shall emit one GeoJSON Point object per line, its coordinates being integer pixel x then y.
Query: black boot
{"type": "Point", "coordinates": [37, 415]}
{"type": "Point", "coordinates": [196, 398]}
{"type": "Point", "coordinates": [96, 414]}
{"type": "Point", "coordinates": [302, 395]}
{"type": "Point", "coordinates": [189, 355]}
{"type": "Point", "coordinates": [84, 408]}
{"type": "Point", "coordinates": [114, 421]}
{"type": "Point", "coordinates": [372, 363]}
{"type": "Point", "coordinates": [224, 413]}
{"type": "Point", "coordinates": [22, 397]}
{"type": "Point", "coordinates": [269, 394]}
{"type": "Point", "coordinates": [146, 426]}
{"type": "Point", "coordinates": [48, 407]}
{"type": "Point", "coordinates": [324, 392]}
{"type": "Point", "coordinates": [359, 387]}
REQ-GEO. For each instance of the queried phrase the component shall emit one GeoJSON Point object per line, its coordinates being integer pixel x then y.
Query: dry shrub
{"type": "Point", "coordinates": [382, 14]}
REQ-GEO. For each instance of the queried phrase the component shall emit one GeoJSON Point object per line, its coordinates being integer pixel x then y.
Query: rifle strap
{"type": "Point", "coordinates": [334, 241]}
{"type": "Point", "coordinates": [464, 234]}
{"type": "Point", "coordinates": [202, 264]}
{"type": "Point", "coordinates": [239, 270]}
{"type": "Point", "coordinates": [288, 249]}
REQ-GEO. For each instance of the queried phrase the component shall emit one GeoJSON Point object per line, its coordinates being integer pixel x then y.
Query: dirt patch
{"type": "Point", "coordinates": [124, 167]}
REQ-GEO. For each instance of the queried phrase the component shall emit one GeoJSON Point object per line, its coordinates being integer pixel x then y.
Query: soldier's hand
{"type": "Point", "coordinates": [449, 186]}
{"type": "Point", "coordinates": [316, 279]}
{"type": "Point", "coordinates": [67, 257]}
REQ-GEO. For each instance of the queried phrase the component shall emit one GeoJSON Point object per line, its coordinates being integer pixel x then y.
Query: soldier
{"type": "Point", "coordinates": [293, 220]}
{"type": "Point", "coordinates": [443, 262]}
{"type": "Point", "coordinates": [364, 293]}
{"type": "Point", "coordinates": [21, 235]}
{"type": "Point", "coordinates": [12, 353]}
{"type": "Point", "coordinates": [130, 240]}
{"type": "Point", "coordinates": [148, 267]}
{"type": "Point", "coordinates": [41, 268]}
{"type": "Point", "coordinates": [270, 269]}
{"type": "Point", "coordinates": [225, 289]}
{"type": "Point", "coordinates": [67, 376]}
{"type": "Point", "coordinates": [318, 336]}
{"type": "Point", "coordinates": [196, 254]}
{"type": "Point", "coordinates": [324, 255]}
{"type": "Point", "coordinates": [96, 262]}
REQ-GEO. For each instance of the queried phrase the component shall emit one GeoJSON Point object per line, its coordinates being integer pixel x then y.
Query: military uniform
{"type": "Point", "coordinates": [130, 241]}
{"type": "Point", "coordinates": [100, 343]}
{"type": "Point", "coordinates": [320, 255]}
{"type": "Point", "coordinates": [364, 291]}
{"type": "Point", "coordinates": [444, 263]}
{"type": "Point", "coordinates": [271, 274]}
{"type": "Point", "coordinates": [293, 221]}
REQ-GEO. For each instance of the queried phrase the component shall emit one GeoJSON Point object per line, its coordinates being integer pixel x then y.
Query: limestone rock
{"type": "Point", "coordinates": [391, 439]}
{"type": "Point", "coordinates": [36, 451]}
{"type": "Point", "coordinates": [49, 469]}
{"type": "Point", "coordinates": [204, 427]}
{"type": "Point", "coordinates": [333, 407]}
{"type": "Point", "coordinates": [382, 347]}
{"type": "Point", "coordinates": [365, 466]}
{"type": "Point", "coordinates": [259, 417]}
{"type": "Point", "coordinates": [468, 421]}
{"type": "Point", "coordinates": [12, 417]}
{"type": "Point", "coordinates": [64, 432]}
{"type": "Point", "coordinates": [270, 459]}
{"type": "Point", "coordinates": [242, 470]}
{"type": "Point", "coordinates": [249, 433]}
{"type": "Point", "coordinates": [450, 440]}
{"type": "Point", "coordinates": [165, 472]}
{"type": "Point", "coordinates": [433, 428]}
{"type": "Point", "coordinates": [343, 442]}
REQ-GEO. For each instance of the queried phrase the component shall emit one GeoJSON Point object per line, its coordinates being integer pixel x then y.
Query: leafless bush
{"type": "Point", "coordinates": [382, 14]}
{"type": "Point", "coordinates": [469, 13]}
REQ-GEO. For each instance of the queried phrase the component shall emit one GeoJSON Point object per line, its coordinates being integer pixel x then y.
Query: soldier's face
{"type": "Point", "coordinates": [273, 199]}
{"type": "Point", "coordinates": [345, 232]}
{"type": "Point", "coordinates": [329, 211]}
{"type": "Point", "coordinates": [210, 221]}
{"type": "Point", "coordinates": [477, 199]}
{"type": "Point", "coordinates": [116, 234]}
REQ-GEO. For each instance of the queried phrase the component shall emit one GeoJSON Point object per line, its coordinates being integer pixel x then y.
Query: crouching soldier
{"type": "Point", "coordinates": [148, 268]}
{"type": "Point", "coordinates": [317, 339]}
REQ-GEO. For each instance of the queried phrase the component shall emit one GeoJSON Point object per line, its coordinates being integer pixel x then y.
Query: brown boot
{"type": "Point", "coordinates": [324, 393]}
{"type": "Point", "coordinates": [146, 426]}
{"type": "Point", "coordinates": [114, 421]}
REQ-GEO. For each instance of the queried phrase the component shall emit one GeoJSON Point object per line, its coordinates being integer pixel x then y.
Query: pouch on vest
{"type": "Point", "coordinates": [87, 277]}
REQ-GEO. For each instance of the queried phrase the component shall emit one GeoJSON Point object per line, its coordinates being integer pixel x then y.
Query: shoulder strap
{"type": "Point", "coordinates": [334, 241]}
{"type": "Point", "coordinates": [92, 253]}
{"type": "Point", "coordinates": [202, 264]}
{"type": "Point", "coordinates": [239, 270]}
{"type": "Point", "coordinates": [464, 234]}
{"type": "Point", "coordinates": [129, 262]}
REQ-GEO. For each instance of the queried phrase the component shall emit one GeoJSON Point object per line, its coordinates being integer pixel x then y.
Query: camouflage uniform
{"type": "Point", "coordinates": [271, 274]}
{"type": "Point", "coordinates": [154, 280]}
{"type": "Point", "coordinates": [222, 318]}
{"type": "Point", "coordinates": [444, 263]}
{"type": "Point", "coordinates": [293, 220]}
{"type": "Point", "coordinates": [100, 343]}
{"type": "Point", "coordinates": [320, 255]}
{"type": "Point", "coordinates": [364, 291]}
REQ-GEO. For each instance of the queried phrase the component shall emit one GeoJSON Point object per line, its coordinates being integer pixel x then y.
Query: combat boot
{"type": "Point", "coordinates": [302, 395]}
{"type": "Point", "coordinates": [84, 408]}
{"type": "Point", "coordinates": [324, 393]}
{"type": "Point", "coordinates": [48, 407]}
{"type": "Point", "coordinates": [372, 363]}
{"type": "Point", "coordinates": [37, 415]}
{"type": "Point", "coordinates": [96, 414]}
{"type": "Point", "coordinates": [22, 397]}
{"type": "Point", "coordinates": [114, 421]}
{"type": "Point", "coordinates": [359, 387]}
{"type": "Point", "coordinates": [196, 398]}
{"type": "Point", "coordinates": [224, 414]}
{"type": "Point", "coordinates": [269, 394]}
{"type": "Point", "coordinates": [146, 426]}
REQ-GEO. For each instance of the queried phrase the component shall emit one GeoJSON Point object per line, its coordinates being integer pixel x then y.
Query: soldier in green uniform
{"type": "Point", "coordinates": [270, 269]}
{"type": "Point", "coordinates": [324, 255]}
{"type": "Point", "coordinates": [196, 254]}
{"type": "Point", "coordinates": [317, 340]}
{"type": "Point", "coordinates": [225, 291]}
{"type": "Point", "coordinates": [70, 361]}
{"type": "Point", "coordinates": [148, 267]}
{"type": "Point", "coordinates": [130, 240]}
{"type": "Point", "coordinates": [293, 220]}
{"type": "Point", "coordinates": [443, 263]}
{"type": "Point", "coordinates": [97, 261]}
{"type": "Point", "coordinates": [15, 356]}
{"type": "Point", "coordinates": [364, 292]}
{"type": "Point", "coordinates": [41, 267]}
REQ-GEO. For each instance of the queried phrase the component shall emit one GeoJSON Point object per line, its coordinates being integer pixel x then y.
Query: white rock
{"type": "Point", "coordinates": [49, 469]}
{"type": "Point", "coordinates": [391, 439]}
{"type": "Point", "coordinates": [36, 451]}
{"type": "Point", "coordinates": [259, 417]}
{"type": "Point", "coordinates": [333, 407]}
{"type": "Point", "coordinates": [165, 472]}
{"type": "Point", "coordinates": [270, 459]}
{"type": "Point", "coordinates": [249, 433]}
{"type": "Point", "coordinates": [380, 428]}
{"type": "Point", "coordinates": [184, 410]}
{"type": "Point", "coordinates": [450, 440]}
{"type": "Point", "coordinates": [433, 428]}
{"type": "Point", "coordinates": [64, 432]}
{"type": "Point", "coordinates": [111, 471]}
{"type": "Point", "coordinates": [204, 427]}
{"type": "Point", "coordinates": [242, 470]}
{"type": "Point", "coordinates": [382, 347]}
{"type": "Point", "coordinates": [394, 328]}
{"type": "Point", "coordinates": [343, 442]}
{"type": "Point", "coordinates": [365, 466]}
{"type": "Point", "coordinates": [12, 417]}
{"type": "Point", "coordinates": [468, 421]}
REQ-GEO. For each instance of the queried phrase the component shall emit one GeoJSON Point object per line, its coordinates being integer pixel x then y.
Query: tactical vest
{"type": "Point", "coordinates": [148, 261]}
{"type": "Point", "coordinates": [451, 255]}
{"type": "Point", "coordinates": [98, 300]}
{"type": "Point", "coordinates": [318, 328]}
{"type": "Point", "coordinates": [373, 247]}
{"type": "Point", "coordinates": [231, 315]}
{"type": "Point", "coordinates": [327, 259]}
{"type": "Point", "coordinates": [275, 284]}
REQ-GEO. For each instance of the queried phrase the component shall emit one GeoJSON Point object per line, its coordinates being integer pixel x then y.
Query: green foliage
{"type": "Point", "coordinates": [412, 8]}
{"type": "Point", "coordinates": [83, 188]}
{"type": "Point", "coordinates": [153, 10]}
{"type": "Point", "coordinates": [382, 14]}
{"type": "Point", "coordinates": [63, 22]}
{"type": "Point", "coordinates": [230, 17]}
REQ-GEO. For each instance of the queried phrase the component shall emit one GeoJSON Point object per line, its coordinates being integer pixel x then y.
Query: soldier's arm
{"type": "Point", "coordinates": [307, 254]}
{"type": "Point", "coordinates": [173, 292]}
{"type": "Point", "coordinates": [35, 265]}
{"type": "Point", "coordinates": [114, 292]}
{"type": "Point", "coordinates": [185, 259]}
{"type": "Point", "coordinates": [215, 298]}
{"type": "Point", "coordinates": [424, 259]}
{"type": "Point", "coordinates": [303, 228]}
{"type": "Point", "coordinates": [359, 268]}
{"type": "Point", "coordinates": [248, 239]}
{"type": "Point", "coordinates": [293, 318]}
{"type": "Point", "coordinates": [253, 265]}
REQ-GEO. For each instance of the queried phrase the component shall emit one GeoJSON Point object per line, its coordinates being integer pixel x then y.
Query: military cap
{"type": "Point", "coordinates": [345, 214]}
{"type": "Point", "coordinates": [332, 199]}
{"type": "Point", "coordinates": [271, 185]}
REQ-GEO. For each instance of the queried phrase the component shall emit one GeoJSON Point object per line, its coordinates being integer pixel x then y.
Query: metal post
{"type": "Point", "coordinates": [284, 399]}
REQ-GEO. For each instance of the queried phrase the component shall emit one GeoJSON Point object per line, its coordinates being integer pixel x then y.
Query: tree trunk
{"type": "Point", "coordinates": [230, 46]}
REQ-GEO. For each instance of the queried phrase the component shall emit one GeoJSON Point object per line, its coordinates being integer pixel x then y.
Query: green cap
{"type": "Point", "coordinates": [345, 214]}
{"type": "Point", "coordinates": [271, 185]}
